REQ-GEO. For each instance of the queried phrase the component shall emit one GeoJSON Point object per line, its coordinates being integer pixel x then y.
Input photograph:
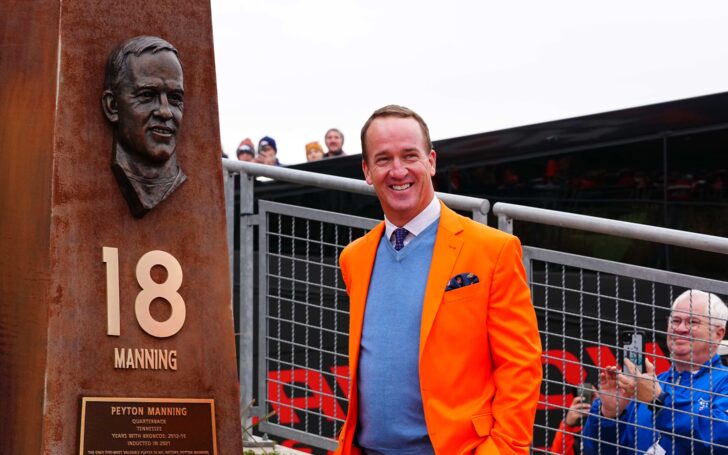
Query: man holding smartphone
{"type": "Point", "coordinates": [565, 441]}
{"type": "Point", "coordinates": [683, 410]}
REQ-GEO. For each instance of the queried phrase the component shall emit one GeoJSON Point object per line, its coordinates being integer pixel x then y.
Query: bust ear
{"type": "Point", "coordinates": [108, 103]}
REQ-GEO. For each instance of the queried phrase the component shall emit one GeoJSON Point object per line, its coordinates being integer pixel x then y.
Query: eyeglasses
{"type": "Point", "coordinates": [690, 323]}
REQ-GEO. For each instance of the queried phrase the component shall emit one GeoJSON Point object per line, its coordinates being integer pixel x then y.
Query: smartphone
{"type": "Point", "coordinates": [633, 348]}
{"type": "Point", "coordinates": [586, 391]}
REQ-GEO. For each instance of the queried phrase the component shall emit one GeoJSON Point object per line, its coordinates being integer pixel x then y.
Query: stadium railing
{"type": "Point", "coordinates": [293, 309]}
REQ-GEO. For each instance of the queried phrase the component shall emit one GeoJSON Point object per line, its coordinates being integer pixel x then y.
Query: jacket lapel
{"type": "Point", "coordinates": [445, 253]}
{"type": "Point", "coordinates": [364, 263]}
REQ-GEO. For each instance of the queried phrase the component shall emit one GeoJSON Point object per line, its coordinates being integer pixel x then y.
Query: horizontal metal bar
{"type": "Point", "coordinates": [292, 366]}
{"type": "Point", "coordinates": [626, 270]}
{"type": "Point", "coordinates": [251, 220]}
{"type": "Point", "coordinates": [308, 241]}
{"type": "Point", "coordinates": [350, 221]}
{"type": "Point", "coordinates": [613, 227]}
{"type": "Point", "coordinates": [302, 346]}
{"type": "Point", "coordinates": [302, 325]}
{"type": "Point", "coordinates": [294, 281]}
{"type": "Point", "coordinates": [294, 387]}
{"type": "Point", "coordinates": [310, 305]}
{"type": "Point", "coordinates": [298, 435]}
{"type": "Point", "coordinates": [333, 182]}
{"type": "Point", "coordinates": [298, 260]}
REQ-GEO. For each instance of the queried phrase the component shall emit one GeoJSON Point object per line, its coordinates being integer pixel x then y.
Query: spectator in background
{"type": "Point", "coordinates": [314, 151]}
{"type": "Point", "coordinates": [267, 151]}
{"type": "Point", "coordinates": [565, 440]}
{"type": "Point", "coordinates": [334, 142]}
{"type": "Point", "coordinates": [246, 150]}
{"type": "Point", "coordinates": [681, 411]}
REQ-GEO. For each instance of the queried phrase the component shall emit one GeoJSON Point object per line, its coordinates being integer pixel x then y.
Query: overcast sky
{"type": "Point", "coordinates": [291, 69]}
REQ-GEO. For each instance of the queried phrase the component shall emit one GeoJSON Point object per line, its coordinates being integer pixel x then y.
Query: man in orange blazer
{"type": "Point", "coordinates": [444, 349]}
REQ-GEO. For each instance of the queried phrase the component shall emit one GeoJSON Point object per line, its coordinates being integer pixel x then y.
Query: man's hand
{"type": "Point", "coordinates": [642, 386]}
{"type": "Point", "coordinates": [613, 400]}
{"type": "Point", "coordinates": [577, 411]}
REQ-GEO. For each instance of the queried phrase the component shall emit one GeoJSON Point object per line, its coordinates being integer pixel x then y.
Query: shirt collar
{"type": "Point", "coordinates": [417, 224]}
{"type": "Point", "coordinates": [707, 366]}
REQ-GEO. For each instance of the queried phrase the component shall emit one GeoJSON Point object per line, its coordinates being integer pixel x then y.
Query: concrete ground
{"type": "Point", "coordinates": [279, 450]}
{"type": "Point", "coordinates": [267, 448]}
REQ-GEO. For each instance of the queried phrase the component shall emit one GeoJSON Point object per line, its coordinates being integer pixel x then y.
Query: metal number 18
{"type": "Point", "coordinates": [150, 290]}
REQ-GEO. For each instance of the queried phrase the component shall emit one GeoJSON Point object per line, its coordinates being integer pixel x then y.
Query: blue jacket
{"type": "Point", "coordinates": [695, 406]}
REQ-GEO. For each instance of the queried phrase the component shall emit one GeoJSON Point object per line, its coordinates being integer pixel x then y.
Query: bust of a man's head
{"type": "Point", "coordinates": [143, 99]}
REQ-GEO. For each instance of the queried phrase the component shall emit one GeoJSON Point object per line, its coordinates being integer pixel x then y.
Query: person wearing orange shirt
{"type": "Point", "coordinates": [565, 440]}
{"type": "Point", "coordinates": [444, 349]}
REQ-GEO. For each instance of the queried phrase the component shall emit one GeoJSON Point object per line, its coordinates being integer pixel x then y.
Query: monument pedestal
{"type": "Point", "coordinates": [103, 315]}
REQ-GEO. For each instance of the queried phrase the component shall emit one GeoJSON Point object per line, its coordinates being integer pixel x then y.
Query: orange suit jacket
{"type": "Point", "coordinates": [479, 352]}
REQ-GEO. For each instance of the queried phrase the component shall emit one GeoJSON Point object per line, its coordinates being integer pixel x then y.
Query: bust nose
{"type": "Point", "coordinates": [163, 110]}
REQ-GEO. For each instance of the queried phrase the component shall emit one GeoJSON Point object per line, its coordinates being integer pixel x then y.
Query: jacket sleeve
{"type": "Point", "coordinates": [515, 352]}
{"type": "Point", "coordinates": [564, 440]}
{"type": "Point", "coordinates": [599, 434]}
{"type": "Point", "coordinates": [605, 436]}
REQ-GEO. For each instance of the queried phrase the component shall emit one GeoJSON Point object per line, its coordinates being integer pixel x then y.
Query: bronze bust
{"type": "Point", "coordinates": [144, 101]}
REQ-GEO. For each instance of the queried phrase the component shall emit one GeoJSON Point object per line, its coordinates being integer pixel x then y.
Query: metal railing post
{"type": "Point", "coordinates": [505, 223]}
{"type": "Point", "coordinates": [245, 348]}
{"type": "Point", "coordinates": [480, 216]}
{"type": "Point", "coordinates": [229, 187]}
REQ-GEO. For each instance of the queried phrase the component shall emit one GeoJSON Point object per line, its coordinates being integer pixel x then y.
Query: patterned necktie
{"type": "Point", "coordinates": [399, 235]}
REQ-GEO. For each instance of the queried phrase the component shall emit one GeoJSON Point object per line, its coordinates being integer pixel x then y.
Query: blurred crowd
{"type": "Point", "coordinates": [267, 151]}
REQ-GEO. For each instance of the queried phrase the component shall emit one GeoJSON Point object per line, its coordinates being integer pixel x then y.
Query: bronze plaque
{"type": "Point", "coordinates": [147, 426]}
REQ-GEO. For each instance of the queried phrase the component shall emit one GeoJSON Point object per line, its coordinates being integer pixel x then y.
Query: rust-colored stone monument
{"type": "Point", "coordinates": [116, 331]}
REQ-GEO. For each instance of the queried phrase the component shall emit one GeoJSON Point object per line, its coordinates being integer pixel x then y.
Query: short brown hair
{"type": "Point", "coordinates": [117, 62]}
{"type": "Point", "coordinates": [394, 110]}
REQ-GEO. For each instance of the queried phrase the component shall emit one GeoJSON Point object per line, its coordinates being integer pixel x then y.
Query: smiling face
{"type": "Point", "coordinates": [690, 336]}
{"type": "Point", "coordinates": [334, 141]}
{"type": "Point", "coordinates": [148, 105]}
{"type": "Point", "coordinates": [400, 166]}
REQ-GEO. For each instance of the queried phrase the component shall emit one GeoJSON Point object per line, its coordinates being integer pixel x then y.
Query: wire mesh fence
{"type": "Point", "coordinates": [304, 321]}
{"type": "Point", "coordinates": [594, 313]}
{"type": "Point", "coordinates": [589, 310]}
